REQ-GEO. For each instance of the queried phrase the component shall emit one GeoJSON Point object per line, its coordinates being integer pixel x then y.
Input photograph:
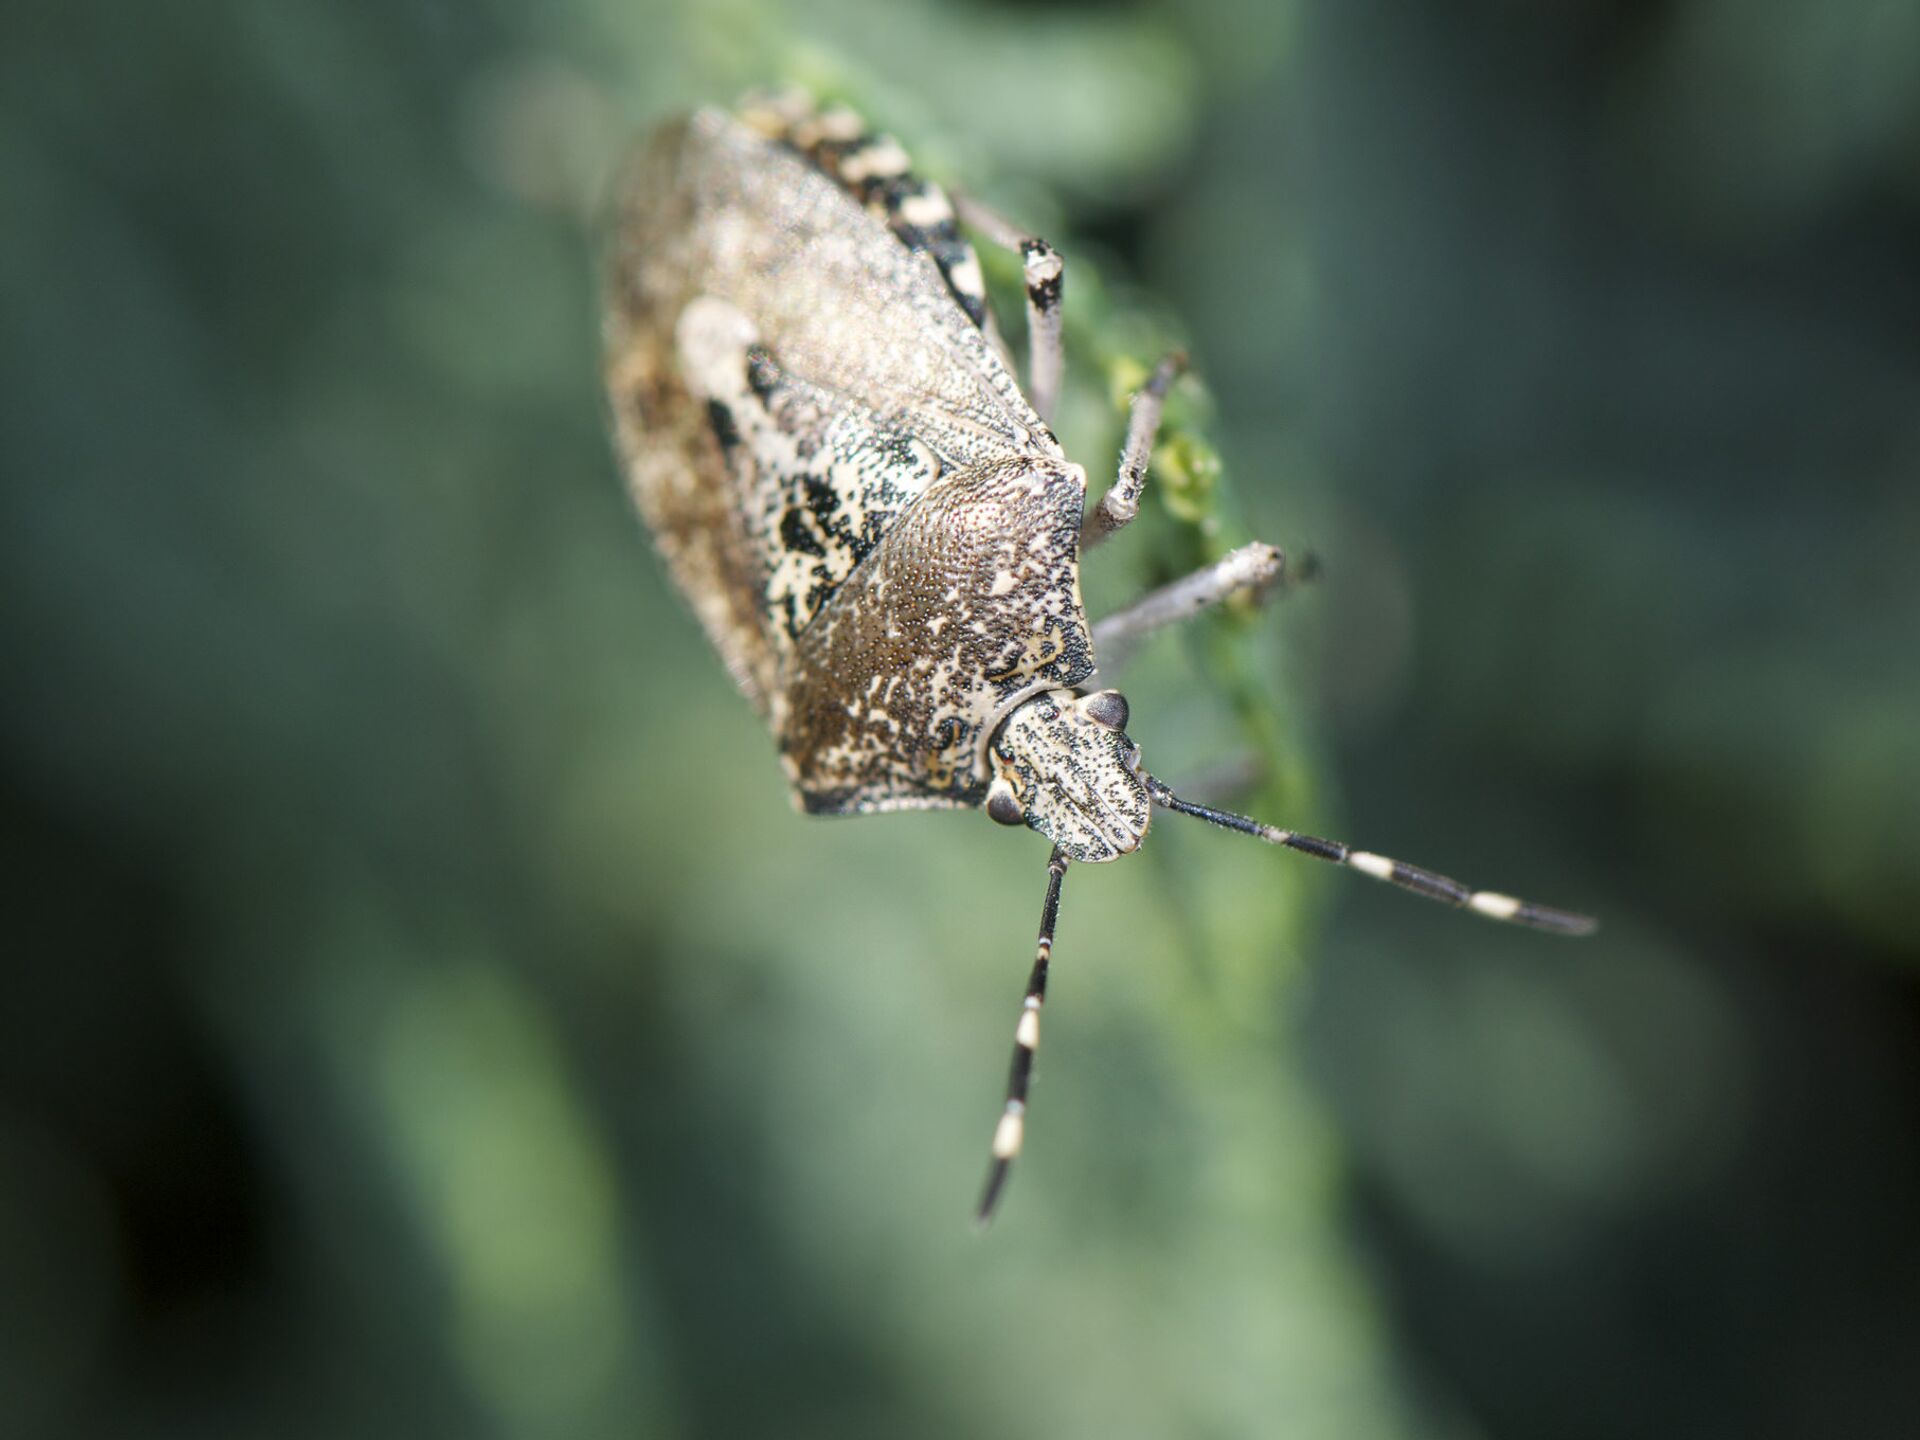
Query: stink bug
{"type": "Point", "coordinates": [875, 526]}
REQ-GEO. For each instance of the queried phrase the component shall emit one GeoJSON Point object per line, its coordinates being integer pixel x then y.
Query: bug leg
{"type": "Point", "coordinates": [1011, 1130]}
{"type": "Point", "coordinates": [1122, 500]}
{"type": "Point", "coordinates": [1252, 568]}
{"type": "Point", "coordinates": [1425, 883]}
{"type": "Point", "coordinates": [1045, 273]}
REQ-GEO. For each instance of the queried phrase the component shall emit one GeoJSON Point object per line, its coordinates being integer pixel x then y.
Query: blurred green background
{"type": "Point", "coordinates": [423, 1015]}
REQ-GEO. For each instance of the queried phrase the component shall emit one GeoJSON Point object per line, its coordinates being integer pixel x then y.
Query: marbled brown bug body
{"type": "Point", "coordinates": [879, 533]}
{"type": "Point", "coordinates": [875, 525]}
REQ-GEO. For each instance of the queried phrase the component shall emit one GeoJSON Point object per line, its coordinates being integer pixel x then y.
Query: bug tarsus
{"type": "Point", "coordinates": [1122, 500]}
{"type": "Point", "coordinates": [1428, 884]}
{"type": "Point", "coordinates": [1255, 569]}
{"type": "Point", "coordinates": [1010, 1132]}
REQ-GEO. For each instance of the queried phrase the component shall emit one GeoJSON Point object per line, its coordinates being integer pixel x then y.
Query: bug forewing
{"type": "Point", "coordinates": [667, 444]}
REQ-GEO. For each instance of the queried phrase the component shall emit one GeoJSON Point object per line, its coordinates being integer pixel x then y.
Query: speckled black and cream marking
{"type": "Point", "coordinates": [1066, 761]}
{"type": "Point", "coordinates": [874, 525]}
{"type": "Point", "coordinates": [826, 476]}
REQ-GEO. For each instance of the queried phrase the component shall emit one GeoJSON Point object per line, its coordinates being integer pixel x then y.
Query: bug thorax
{"type": "Point", "coordinates": [1063, 765]}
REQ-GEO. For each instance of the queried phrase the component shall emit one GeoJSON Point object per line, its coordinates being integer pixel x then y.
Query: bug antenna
{"type": "Point", "coordinates": [1425, 883]}
{"type": "Point", "coordinates": [1012, 1129]}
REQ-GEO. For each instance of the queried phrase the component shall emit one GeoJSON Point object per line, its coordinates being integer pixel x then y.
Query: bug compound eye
{"type": "Point", "coordinates": [1106, 707]}
{"type": "Point", "coordinates": [1003, 805]}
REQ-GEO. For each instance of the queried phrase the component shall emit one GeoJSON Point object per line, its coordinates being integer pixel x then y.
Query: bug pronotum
{"type": "Point", "coordinates": [874, 523]}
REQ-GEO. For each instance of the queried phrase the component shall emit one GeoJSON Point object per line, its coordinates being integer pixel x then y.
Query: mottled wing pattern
{"type": "Point", "coordinates": [821, 479]}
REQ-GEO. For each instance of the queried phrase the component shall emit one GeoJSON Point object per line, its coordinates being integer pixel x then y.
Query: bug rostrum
{"type": "Point", "coordinates": [874, 524]}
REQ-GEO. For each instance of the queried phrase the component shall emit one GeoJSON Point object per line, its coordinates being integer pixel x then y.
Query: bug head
{"type": "Point", "coordinates": [1063, 765]}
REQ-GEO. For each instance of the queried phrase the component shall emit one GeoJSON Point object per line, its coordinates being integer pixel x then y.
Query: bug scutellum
{"type": "Point", "coordinates": [875, 524]}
